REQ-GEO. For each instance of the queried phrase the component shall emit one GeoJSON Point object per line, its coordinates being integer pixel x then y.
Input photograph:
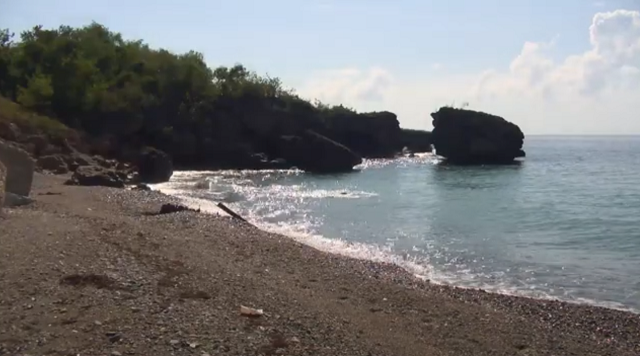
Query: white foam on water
{"type": "Point", "coordinates": [190, 186]}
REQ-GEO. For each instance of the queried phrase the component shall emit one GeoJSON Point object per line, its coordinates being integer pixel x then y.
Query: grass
{"type": "Point", "coordinates": [30, 122]}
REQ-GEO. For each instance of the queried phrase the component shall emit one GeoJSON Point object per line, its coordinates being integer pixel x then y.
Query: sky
{"type": "Point", "coordinates": [563, 67]}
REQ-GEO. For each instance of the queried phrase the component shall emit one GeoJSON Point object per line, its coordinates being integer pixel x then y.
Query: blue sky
{"type": "Point", "coordinates": [407, 56]}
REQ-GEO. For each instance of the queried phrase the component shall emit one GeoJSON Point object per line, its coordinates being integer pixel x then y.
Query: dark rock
{"type": "Point", "coordinates": [141, 186]}
{"type": "Point", "coordinates": [175, 208]}
{"type": "Point", "coordinates": [370, 135]}
{"type": "Point", "coordinates": [9, 131]}
{"type": "Point", "coordinates": [472, 137]}
{"type": "Point", "coordinates": [417, 141]}
{"type": "Point", "coordinates": [96, 176]}
{"type": "Point", "coordinates": [37, 143]}
{"type": "Point", "coordinates": [55, 164]}
{"type": "Point", "coordinates": [279, 163]}
{"type": "Point", "coordinates": [154, 166]}
{"type": "Point", "coordinates": [407, 152]}
{"type": "Point", "coordinates": [315, 153]}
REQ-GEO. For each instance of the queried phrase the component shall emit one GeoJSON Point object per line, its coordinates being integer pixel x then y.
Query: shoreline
{"type": "Point", "coordinates": [173, 284]}
{"type": "Point", "coordinates": [408, 266]}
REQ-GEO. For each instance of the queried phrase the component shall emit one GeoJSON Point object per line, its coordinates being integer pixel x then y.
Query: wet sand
{"type": "Point", "coordinates": [92, 271]}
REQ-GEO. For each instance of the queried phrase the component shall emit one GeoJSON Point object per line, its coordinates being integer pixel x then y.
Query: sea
{"type": "Point", "coordinates": [564, 223]}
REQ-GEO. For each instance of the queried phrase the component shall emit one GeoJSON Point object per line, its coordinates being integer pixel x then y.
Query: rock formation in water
{"type": "Point", "coordinates": [154, 166]}
{"type": "Point", "coordinates": [471, 137]}
{"type": "Point", "coordinates": [315, 153]}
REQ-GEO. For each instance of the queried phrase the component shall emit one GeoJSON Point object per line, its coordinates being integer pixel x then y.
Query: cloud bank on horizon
{"type": "Point", "coordinates": [538, 91]}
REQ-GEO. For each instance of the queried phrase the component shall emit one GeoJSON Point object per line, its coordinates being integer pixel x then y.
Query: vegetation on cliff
{"type": "Point", "coordinates": [92, 80]}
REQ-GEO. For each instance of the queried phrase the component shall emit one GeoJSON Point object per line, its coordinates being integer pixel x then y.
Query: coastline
{"type": "Point", "coordinates": [174, 284]}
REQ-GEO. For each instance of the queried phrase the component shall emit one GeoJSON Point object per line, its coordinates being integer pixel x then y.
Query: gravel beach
{"type": "Point", "coordinates": [93, 271]}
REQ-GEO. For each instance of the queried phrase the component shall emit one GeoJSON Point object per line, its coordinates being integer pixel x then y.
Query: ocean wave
{"type": "Point", "coordinates": [269, 212]}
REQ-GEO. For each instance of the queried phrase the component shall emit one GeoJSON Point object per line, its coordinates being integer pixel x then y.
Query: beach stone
{"type": "Point", "coordinates": [175, 208]}
{"type": "Point", "coordinates": [19, 169]}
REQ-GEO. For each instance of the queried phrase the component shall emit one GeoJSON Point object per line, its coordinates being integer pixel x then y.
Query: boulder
{"type": "Point", "coordinates": [19, 166]}
{"type": "Point", "coordinates": [315, 153]}
{"type": "Point", "coordinates": [54, 164]}
{"type": "Point", "coordinates": [35, 145]}
{"type": "Point", "coordinates": [97, 176]}
{"type": "Point", "coordinates": [154, 166]}
{"type": "Point", "coordinates": [3, 177]}
{"type": "Point", "coordinates": [471, 137]}
{"type": "Point", "coordinates": [9, 131]}
{"type": "Point", "coordinates": [14, 200]}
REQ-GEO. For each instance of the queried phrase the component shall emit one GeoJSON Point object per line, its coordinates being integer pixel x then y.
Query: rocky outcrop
{"type": "Point", "coordinates": [154, 166]}
{"type": "Point", "coordinates": [370, 135]}
{"type": "Point", "coordinates": [315, 153]}
{"type": "Point", "coordinates": [97, 176]}
{"type": "Point", "coordinates": [19, 166]}
{"type": "Point", "coordinates": [472, 137]}
{"type": "Point", "coordinates": [54, 164]}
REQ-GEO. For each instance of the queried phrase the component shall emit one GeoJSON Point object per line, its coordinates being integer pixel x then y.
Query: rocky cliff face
{"type": "Point", "coordinates": [371, 135]}
{"type": "Point", "coordinates": [254, 135]}
{"type": "Point", "coordinates": [472, 137]}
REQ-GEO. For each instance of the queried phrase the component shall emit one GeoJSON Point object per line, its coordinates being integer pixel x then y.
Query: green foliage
{"type": "Point", "coordinates": [28, 121]}
{"type": "Point", "coordinates": [91, 79]}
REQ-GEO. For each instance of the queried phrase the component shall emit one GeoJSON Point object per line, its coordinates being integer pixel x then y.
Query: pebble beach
{"type": "Point", "coordinates": [96, 271]}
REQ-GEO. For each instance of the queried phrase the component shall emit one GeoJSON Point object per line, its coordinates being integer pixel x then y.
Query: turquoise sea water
{"type": "Point", "coordinates": [565, 223]}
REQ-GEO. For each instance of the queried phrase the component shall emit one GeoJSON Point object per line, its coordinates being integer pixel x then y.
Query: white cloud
{"type": "Point", "coordinates": [349, 85]}
{"type": "Point", "coordinates": [597, 91]}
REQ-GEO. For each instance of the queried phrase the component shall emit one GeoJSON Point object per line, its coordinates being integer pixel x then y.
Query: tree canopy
{"type": "Point", "coordinates": [92, 79]}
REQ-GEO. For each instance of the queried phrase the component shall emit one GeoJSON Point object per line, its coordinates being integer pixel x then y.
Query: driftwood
{"type": "Point", "coordinates": [231, 212]}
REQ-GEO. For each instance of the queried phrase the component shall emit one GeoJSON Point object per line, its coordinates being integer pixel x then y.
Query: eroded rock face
{"type": "Point", "coordinates": [315, 153]}
{"type": "Point", "coordinates": [472, 137]}
{"type": "Point", "coordinates": [19, 169]}
{"type": "Point", "coordinates": [370, 135]}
